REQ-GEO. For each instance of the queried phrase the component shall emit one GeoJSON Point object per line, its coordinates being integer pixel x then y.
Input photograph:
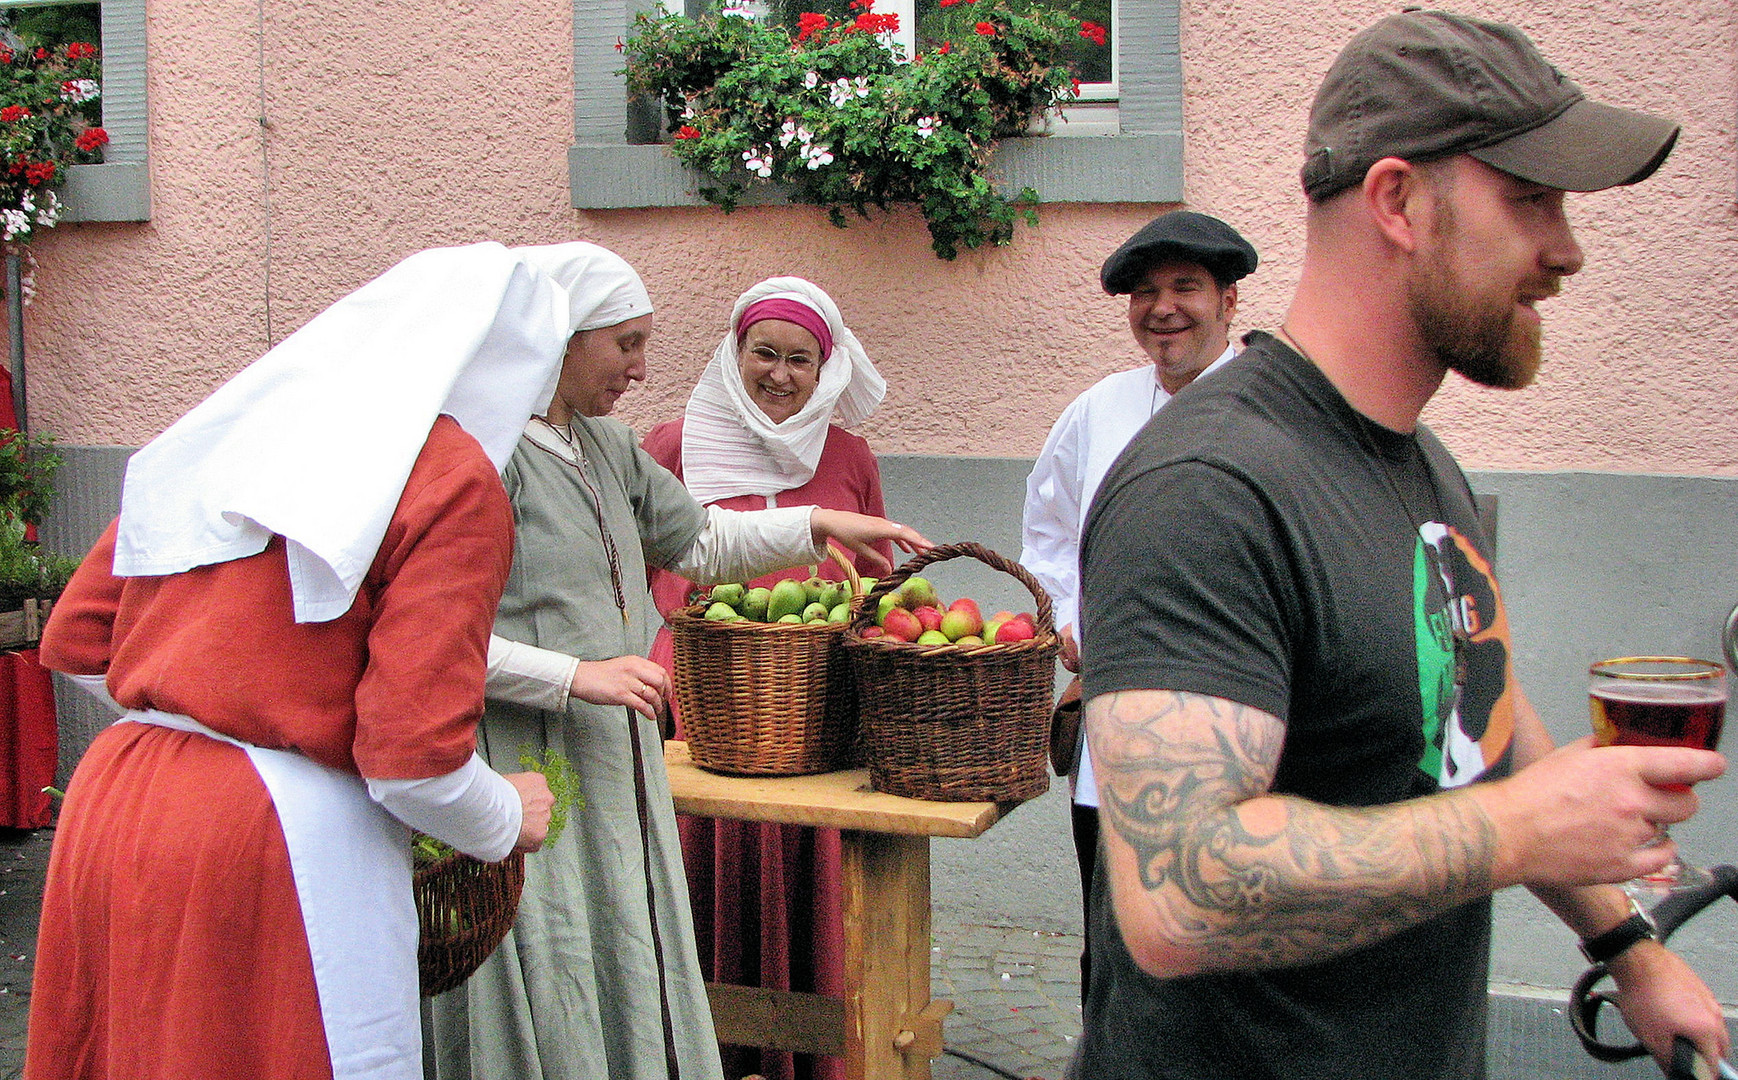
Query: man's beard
{"type": "Point", "coordinates": [1466, 332]}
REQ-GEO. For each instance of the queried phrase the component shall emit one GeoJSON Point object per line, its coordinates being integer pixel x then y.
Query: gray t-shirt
{"type": "Point", "coordinates": [1262, 542]}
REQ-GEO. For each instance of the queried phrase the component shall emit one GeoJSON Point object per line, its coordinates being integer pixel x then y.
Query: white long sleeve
{"type": "Point", "coordinates": [741, 545]}
{"type": "Point", "coordinates": [1084, 443]}
{"type": "Point", "coordinates": [527, 675]}
{"type": "Point", "coordinates": [473, 808]}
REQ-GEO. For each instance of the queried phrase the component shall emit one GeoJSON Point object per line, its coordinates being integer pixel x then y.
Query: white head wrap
{"type": "Point", "coordinates": [314, 440]}
{"type": "Point", "coordinates": [730, 447]}
{"type": "Point", "coordinates": [602, 289]}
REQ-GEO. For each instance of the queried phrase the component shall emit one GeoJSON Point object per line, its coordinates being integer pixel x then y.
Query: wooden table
{"type": "Point", "coordinates": [886, 1027]}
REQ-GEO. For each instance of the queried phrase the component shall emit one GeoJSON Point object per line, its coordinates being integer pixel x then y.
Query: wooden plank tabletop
{"type": "Point", "coordinates": [840, 800]}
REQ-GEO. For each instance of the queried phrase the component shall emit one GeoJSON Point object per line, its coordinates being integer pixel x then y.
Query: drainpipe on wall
{"type": "Point", "coordinates": [15, 328]}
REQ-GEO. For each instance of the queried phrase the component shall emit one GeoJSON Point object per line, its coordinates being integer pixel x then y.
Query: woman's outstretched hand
{"type": "Point", "coordinates": [860, 532]}
{"type": "Point", "coordinates": [630, 680]}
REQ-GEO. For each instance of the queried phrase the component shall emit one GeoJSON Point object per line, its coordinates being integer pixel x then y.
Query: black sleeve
{"type": "Point", "coordinates": [1185, 586]}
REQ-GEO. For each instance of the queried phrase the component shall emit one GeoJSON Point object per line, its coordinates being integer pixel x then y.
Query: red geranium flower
{"type": "Point", "coordinates": [41, 54]}
{"type": "Point", "coordinates": [80, 50]}
{"type": "Point", "coordinates": [877, 24]}
{"type": "Point", "coordinates": [945, 47]}
{"type": "Point", "coordinates": [1092, 32]}
{"type": "Point", "coordinates": [986, 29]}
{"type": "Point", "coordinates": [91, 138]}
{"type": "Point", "coordinates": [687, 132]}
{"type": "Point", "coordinates": [6, 56]}
{"type": "Point", "coordinates": [39, 172]}
{"type": "Point", "coordinates": [12, 113]}
{"type": "Point", "coordinates": [809, 23]}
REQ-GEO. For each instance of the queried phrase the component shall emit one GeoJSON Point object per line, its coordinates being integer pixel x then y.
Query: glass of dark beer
{"type": "Point", "coordinates": [1658, 701]}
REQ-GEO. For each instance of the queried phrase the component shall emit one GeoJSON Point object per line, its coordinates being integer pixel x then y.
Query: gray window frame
{"type": "Point", "coordinates": [608, 170]}
{"type": "Point", "coordinates": [120, 188]}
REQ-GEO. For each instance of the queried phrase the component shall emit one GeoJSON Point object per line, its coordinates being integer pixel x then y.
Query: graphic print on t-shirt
{"type": "Point", "coordinates": [1462, 634]}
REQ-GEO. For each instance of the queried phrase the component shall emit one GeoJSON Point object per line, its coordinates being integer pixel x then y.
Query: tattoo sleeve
{"type": "Point", "coordinates": [1244, 879]}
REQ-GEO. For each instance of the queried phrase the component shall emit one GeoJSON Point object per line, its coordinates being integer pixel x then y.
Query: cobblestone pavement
{"type": "Point", "coordinates": [1016, 992]}
{"type": "Point", "coordinates": [1016, 996]}
{"type": "Point", "coordinates": [23, 863]}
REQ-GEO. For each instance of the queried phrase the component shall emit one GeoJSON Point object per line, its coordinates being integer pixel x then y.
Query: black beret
{"type": "Point", "coordinates": [1184, 235]}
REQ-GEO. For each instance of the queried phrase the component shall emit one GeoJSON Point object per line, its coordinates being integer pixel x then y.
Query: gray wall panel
{"type": "Point", "coordinates": [1592, 565]}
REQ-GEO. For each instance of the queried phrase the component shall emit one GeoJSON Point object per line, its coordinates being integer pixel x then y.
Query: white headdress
{"type": "Point", "coordinates": [602, 289]}
{"type": "Point", "coordinates": [314, 440]}
{"type": "Point", "coordinates": [730, 447]}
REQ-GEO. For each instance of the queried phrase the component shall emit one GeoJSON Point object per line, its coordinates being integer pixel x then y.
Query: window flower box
{"type": "Point", "coordinates": [835, 116]}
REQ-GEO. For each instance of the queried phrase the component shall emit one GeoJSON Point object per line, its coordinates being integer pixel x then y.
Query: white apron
{"type": "Point", "coordinates": [351, 862]}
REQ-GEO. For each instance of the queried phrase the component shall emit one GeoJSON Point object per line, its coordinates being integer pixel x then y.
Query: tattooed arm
{"type": "Point", "coordinates": [1210, 870]}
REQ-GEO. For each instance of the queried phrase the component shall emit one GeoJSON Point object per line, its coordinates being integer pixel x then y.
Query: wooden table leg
{"type": "Point", "coordinates": [892, 1028]}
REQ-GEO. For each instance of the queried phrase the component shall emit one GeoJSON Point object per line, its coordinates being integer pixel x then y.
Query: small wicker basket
{"type": "Point", "coordinates": [464, 907]}
{"type": "Point", "coordinates": [955, 723]}
{"type": "Point", "coordinates": [766, 699]}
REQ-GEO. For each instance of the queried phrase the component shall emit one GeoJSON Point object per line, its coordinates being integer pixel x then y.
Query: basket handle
{"type": "Point", "coordinates": [864, 615]}
{"type": "Point", "coordinates": [849, 565]}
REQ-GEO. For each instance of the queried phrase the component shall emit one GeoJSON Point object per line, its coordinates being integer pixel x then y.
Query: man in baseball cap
{"type": "Point", "coordinates": [1180, 272]}
{"type": "Point", "coordinates": [1314, 763]}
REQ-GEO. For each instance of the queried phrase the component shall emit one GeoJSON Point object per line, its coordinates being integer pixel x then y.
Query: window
{"type": "Point", "coordinates": [119, 189]}
{"type": "Point", "coordinates": [616, 163]}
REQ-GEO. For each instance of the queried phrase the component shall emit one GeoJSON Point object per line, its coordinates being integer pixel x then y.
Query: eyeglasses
{"type": "Point", "coordinates": [770, 357]}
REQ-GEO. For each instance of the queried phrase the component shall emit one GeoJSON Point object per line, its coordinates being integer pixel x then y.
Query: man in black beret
{"type": "Point", "coordinates": [1180, 273]}
{"type": "Point", "coordinates": [1315, 765]}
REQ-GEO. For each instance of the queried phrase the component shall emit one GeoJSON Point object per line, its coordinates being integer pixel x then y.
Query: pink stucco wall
{"type": "Point", "coordinates": [392, 127]}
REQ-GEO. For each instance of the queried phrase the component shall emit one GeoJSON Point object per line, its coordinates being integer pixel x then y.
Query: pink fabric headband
{"type": "Point", "coordinates": [791, 311]}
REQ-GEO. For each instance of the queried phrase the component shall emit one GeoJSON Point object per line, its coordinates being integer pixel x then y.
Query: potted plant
{"type": "Point", "coordinates": [50, 117]}
{"type": "Point", "coordinates": [30, 578]}
{"type": "Point", "coordinates": [836, 116]}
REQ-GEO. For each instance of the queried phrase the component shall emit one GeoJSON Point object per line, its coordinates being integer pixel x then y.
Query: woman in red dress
{"type": "Point", "coordinates": [765, 426]}
{"type": "Point", "coordinates": [292, 612]}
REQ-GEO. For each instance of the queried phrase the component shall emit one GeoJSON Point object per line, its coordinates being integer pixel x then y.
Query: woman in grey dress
{"type": "Point", "coordinates": [577, 990]}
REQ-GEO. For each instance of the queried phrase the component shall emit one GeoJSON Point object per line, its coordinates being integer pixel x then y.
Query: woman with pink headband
{"type": "Point", "coordinates": [764, 427]}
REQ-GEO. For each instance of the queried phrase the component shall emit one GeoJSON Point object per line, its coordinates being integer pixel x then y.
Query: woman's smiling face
{"type": "Point", "coordinates": [780, 363]}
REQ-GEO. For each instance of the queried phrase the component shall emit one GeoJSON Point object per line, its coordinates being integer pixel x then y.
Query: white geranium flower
{"type": "Point", "coordinates": [758, 159]}
{"type": "Point", "coordinates": [839, 92]}
{"type": "Point", "coordinates": [811, 80]}
{"type": "Point", "coordinates": [79, 91]}
{"type": "Point", "coordinates": [818, 156]}
{"type": "Point", "coordinates": [925, 126]}
{"type": "Point", "coordinates": [787, 133]}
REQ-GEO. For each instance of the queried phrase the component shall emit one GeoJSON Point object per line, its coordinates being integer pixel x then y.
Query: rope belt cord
{"type": "Point", "coordinates": [643, 804]}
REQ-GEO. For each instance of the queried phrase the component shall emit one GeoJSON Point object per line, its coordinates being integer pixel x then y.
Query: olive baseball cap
{"type": "Point", "coordinates": [1423, 85]}
{"type": "Point", "coordinates": [1183, 235]}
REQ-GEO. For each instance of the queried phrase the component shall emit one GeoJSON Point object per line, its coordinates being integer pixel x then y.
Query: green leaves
{"type": "Point", "coordinates": [835, 116]}
{"type": "Point", "coordinates": [563, 784]}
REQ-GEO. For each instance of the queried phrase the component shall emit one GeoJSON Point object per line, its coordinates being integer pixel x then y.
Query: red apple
{"type": "Point", "coordinates": [874, 631]}
{"type": "Point", "coordinates": [929, 615]}
{"type": "Point", "coordinates": [1013, 630]}
{"type": "Point", "coordinates": [902, 624]}
{"type": "Point", "coordinates": [961, 622]}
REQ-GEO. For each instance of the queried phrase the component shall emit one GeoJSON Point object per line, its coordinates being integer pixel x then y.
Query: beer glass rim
{"type": "Point", "coordinates": [1692, 669]}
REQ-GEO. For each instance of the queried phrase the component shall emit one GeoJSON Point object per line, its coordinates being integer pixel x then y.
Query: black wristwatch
{"type": "Point", "coordinates": [1603, 948]}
